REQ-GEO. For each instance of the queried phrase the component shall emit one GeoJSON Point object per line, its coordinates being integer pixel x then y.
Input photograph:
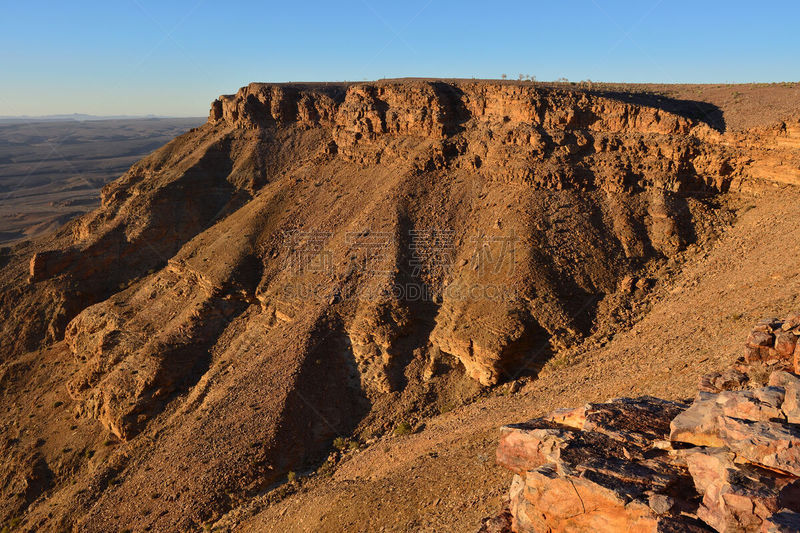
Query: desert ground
{"type": "Point", "coordinates": [53, 171]}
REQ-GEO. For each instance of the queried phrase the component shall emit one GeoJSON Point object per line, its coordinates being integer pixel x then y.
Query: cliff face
{"type": "Point", "coordinates": [323, 259]}
{"type": "Point", "coordinates": [547, 138]}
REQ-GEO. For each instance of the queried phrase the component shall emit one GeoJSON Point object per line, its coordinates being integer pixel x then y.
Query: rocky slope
{"type": "Point", "coordinates": [329, 261]}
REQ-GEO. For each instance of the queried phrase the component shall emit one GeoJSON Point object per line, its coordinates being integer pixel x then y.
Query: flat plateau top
{"type": "Point", "coordinates": [734, 106]}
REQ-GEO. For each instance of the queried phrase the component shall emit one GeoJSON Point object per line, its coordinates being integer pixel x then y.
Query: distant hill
{"type": "Point", "coordinates": [77, 117]}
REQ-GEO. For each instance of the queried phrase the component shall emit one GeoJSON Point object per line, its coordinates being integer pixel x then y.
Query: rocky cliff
{"type": "Point", "coordinates": [321, 260]}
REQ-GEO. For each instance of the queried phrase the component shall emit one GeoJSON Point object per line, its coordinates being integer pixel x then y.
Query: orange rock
{"type": "Point", "coordinates": [738, 497]}
{"type": "Point", "coordinates": [796, 359]}
{"type": "Point", "coordinates": [785, 343]}
{"type": "Point", "coordinates": [600, 474]}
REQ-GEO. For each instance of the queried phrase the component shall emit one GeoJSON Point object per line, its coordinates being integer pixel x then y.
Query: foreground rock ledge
{"type": "Point", "coordinates": [728, 462]}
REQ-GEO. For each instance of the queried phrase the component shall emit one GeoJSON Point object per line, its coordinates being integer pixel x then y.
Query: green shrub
{"type": "Point", "coordinates": [403, 428]}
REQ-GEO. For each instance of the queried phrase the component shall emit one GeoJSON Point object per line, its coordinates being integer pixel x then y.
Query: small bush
{"type": "Point", "coordinates": [403, 428]}
{"type": "Point", "coordinates": [326, 470]}
{"type": "Point", "coordinates": [11, 525]}
{"type": "Point", "coordinates": [291, 476]}
{"type": "Point", "coordinates": [340, 443]}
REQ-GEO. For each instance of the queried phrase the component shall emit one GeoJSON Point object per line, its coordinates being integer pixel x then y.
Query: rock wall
{"type": "Point", "coordinates": [545, 137]}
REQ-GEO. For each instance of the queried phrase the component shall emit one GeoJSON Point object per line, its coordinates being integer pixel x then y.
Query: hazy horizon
{"type": "Point", "coordinates": [146, 58]}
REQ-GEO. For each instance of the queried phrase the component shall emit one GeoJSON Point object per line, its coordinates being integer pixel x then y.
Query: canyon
{"type": "Point", "coordinates": [314, 311]}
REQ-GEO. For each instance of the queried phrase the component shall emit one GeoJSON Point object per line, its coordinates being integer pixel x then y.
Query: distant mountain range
{"type": "Point", "coordinates": [78, 117]}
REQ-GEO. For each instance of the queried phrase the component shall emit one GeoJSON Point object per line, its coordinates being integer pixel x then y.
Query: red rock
{"type": "Point", "coordinates": [759, 344]}
{"type": "Point", "coordinates": [498, 524]}
{"type": "Point", "coordinates": [785, 343]}
{"type": "Point", "coordinates": [595, 469]}
{"type": "Point", "coordinates": [738, 497]}
{"type": "Point", "coordinates": [791, 403]}
{"type": "Point", "coordinates": [792, 321]}
{"type": "Point", "coordinates": [730, 379]}
{"type": "Point", "coordinates": [769, 325]}
{"type": "Point", "coordinates": [700, 424]}
{"type": "Point", "coordinates": [796, 358]}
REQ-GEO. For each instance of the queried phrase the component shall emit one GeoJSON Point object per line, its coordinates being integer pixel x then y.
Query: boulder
{"type": "Point", "coordinates": [701, 424]}
{"type": "Point", "coordinates": [738, 497]}
{"type": "Point", "coordinates": [759, 344]}
{"type": "Point", "coordinates": [791, 322]}
{"type": "Point", "coordinates": [728, 462]}
{"type": "Point", "coordinates": [796, 359]}
{"type": "Point", "coordinates": [791, 403]}
{"type": "Point", "coordinates": [595, 469]}
{"type": "Point", "coordinates": [730, 379]}
{"type": "Point", "coordinates": [785, 343]}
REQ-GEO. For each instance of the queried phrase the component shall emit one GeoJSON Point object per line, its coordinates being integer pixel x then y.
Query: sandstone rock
{"type": "Point", "coordinates": [498, 524]}
{"type": "Point", "coordinates": [640, 420]}
{"type": "Point", "coordinates": [759, 344]}
{"type": "Point", "coordinates": [738, 497]}
{"type": "Point", "coordinates": [768, 325]}
{"type": "Point", "coordinates": [727, 380]}
{"type": "Point", "coordinates": [791, 403]}
{"type": "Point", "coordinates": [47, 264]}
{"type": "Point", "coordinates": [796, 359]}
{"type": "Point", "coordinates": [749, 423]}
{"type": "Point", "coordinates": [607, 467]}
{"type": "Point", "coordinates": [785, 343]}
{"type": "Point", "coordinates": [700, 424]}
{"type": "Point", "coordinates": [791, 322]}
{"type": "Point", "coordinates": [627, 284]}
{"type": "Point", "coordinates": [594, 469]}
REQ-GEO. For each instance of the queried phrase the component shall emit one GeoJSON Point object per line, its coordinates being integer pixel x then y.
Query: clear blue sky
{"type": "Point", "coordinates": [174, 57]}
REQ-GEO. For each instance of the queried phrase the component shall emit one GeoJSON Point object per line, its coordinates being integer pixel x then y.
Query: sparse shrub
{"type": "Point", "coordinates": [11, 525]}
{"type": "Point", "coordinates": [403, 428]}
{"type": "Point", "coordinates": [326, 469]}
{"type": "Point", "coordinates": [759, 375]}
{"type": "Point", "coordinates": [291, 476]}
{"type": "Point", "coordinates": [340, 443]}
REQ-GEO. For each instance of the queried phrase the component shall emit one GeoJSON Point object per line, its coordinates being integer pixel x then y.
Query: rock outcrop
{"type": "Point", "coordinates": [727, 462]}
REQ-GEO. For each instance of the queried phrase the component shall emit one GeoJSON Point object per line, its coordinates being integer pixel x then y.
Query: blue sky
{"type": "Point", "coordinates": [173, 58]}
